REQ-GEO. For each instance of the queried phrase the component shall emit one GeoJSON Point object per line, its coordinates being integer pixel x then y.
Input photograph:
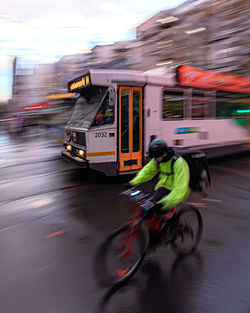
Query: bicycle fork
{"type": "Point", "coordinates": [128, 240]}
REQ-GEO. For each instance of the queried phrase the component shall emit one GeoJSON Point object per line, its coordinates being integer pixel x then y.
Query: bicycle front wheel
{"type": "Point", "coordinates": [120, 256]}
{"type": "Point", "coordinates": [188, 225]}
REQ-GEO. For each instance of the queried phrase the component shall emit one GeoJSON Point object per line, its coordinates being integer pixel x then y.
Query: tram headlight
{"type": "Point", "coordinates": [68, 148]}
{"type": "Point", "coordinates": [81, 152]}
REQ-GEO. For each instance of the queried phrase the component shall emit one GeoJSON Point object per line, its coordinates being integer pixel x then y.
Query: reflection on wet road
{"type": "Point", "coordinates": [53, 217]}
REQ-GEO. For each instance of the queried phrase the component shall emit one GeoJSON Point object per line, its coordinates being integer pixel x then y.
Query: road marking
{"type": "Point", "coordinates": [198, 204]}
{"type": "Point", "coordinates": [14, 180]}
{"type": "Point", "coordinates": [56, 234]}
{"type": "Point", "coordinates": [40, 203]}
{"type": "Point", "coordinates": [211, 200]}
{"type": "Point", "coordinates": [45, 267]}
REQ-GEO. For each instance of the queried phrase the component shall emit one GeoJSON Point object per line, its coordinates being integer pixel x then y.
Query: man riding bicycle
{"type": "Point", "coordinates": [122, 253]}
{"type": "Point", "coordinates": [173, 186]}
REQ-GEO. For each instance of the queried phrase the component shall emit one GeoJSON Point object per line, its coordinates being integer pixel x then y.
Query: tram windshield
{"type": "Point", "coordinates": [86, 107]}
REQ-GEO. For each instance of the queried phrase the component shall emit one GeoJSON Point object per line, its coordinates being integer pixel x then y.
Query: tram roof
{"type": "Point", "coordinates": [107, 77]}
{"type": "Point", "coordinates": [185, 75]}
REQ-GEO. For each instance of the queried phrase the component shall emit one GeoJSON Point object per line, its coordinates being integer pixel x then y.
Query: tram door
{"type": "Point", "coordinates": [130, 128]}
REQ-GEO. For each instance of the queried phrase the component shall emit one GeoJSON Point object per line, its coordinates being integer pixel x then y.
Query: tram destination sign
{"type": "Point", "coordinates": [79, 83]}
{"type": "Point", "coordinates": [195, 77]}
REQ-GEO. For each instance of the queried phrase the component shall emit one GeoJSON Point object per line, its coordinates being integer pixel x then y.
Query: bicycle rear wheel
{"type": "Point", "coordinates": [188, 225]}
{"type": "Point", "coordinates": [120, 256]}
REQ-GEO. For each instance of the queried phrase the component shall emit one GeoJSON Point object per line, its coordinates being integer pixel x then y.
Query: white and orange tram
{"type": "Point", "coordinates": [119, 112]}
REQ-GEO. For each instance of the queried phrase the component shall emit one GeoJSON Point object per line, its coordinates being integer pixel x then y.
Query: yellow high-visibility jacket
{"type": "Point", "coordinates": [177, 182]}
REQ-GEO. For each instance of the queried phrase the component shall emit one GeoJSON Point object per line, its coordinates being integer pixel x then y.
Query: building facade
{"type": "Point", "coordinates": [211, 34]}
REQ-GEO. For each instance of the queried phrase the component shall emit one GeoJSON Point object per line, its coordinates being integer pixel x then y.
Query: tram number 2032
{"type": "Point", "coordinates": [100, 134]}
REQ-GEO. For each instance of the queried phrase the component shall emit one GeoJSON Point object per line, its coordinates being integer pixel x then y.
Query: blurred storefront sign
{"type": "Point", "coordinates": [38, 106]}
{"type": "Point", "coordinates": [57, 96]}
{"type": "Point", "coordinates": [195, 77]}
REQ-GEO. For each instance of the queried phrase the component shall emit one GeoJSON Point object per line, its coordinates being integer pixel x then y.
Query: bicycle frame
{"type": "Point", "coordinates": [154, 228]}
{"type": "Point", "coordinates": [123, 251]}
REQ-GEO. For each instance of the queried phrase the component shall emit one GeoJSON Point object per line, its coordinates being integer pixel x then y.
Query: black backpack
{"type": "Point", "coordinates": [200, 177]}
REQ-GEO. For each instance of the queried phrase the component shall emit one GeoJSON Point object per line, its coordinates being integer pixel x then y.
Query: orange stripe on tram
{"type": "Point", "coordinates": [93, 154]}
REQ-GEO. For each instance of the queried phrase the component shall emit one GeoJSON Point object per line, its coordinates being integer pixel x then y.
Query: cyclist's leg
{"type": "Point", "coordinates": [158, 221]}
{"type": "Point", "coordinates": [158, 195]}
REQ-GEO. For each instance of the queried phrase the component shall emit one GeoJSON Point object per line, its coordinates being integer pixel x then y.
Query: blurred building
{"type": "Point", "coordinates": [123, 54]}
{"type": "Point", "coordinates": [229, 31]}
{"type": "Point", "coordinates": [18, 86]}
{"type": "Point", "coordinates": [211, 34]}
{"type": "Point", "coordinates": [30, 86]}
{"type": "Point", "coordinates": [67, 68]}
{"type": "Point", "coordinates": [40, 83]}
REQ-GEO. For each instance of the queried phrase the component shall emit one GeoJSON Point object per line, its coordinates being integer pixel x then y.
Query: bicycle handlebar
{"type": "Point", "coordinates": [135, 194]}
{"type": "Point", "coordinates": [144, 200]}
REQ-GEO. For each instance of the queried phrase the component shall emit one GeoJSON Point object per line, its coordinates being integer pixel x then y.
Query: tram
{"type": "Point", "coordinates": [119, 112]}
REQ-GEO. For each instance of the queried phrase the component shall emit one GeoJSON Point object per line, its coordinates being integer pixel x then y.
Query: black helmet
{"type": "Point", "coordinates": [157, 148]}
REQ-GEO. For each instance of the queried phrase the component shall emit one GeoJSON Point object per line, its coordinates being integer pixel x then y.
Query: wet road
{"type": "Point", "coordinates": [53, 217]}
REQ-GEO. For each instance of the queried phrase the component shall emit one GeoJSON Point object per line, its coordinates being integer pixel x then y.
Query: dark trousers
{"type": "Point", "coordinates": [160, 193]}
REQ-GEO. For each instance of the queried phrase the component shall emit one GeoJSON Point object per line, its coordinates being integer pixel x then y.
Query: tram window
{"type": "Point", "coordinates": [105, 114]}
{"type": "Point", "coordinates": [198, 105]}
{"type": "Point", "coordinates": [124, 121]}
{"type": "Point", "coordinates": [136, 121]}
{"type": "Point", "coordinates": [229, 105]}
{"type": "Point", "coordinates": [172, 106]}
{"type": "Point", "coordinates": [223, 106]}
{"type": "Point", "coordinates": [86, 107]}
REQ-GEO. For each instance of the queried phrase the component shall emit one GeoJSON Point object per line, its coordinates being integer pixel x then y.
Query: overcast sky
{"type": "Point", "coordinates": [42, 31]}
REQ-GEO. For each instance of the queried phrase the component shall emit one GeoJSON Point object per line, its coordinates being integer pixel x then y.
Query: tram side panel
{"type": "Point", "coordinates": [152, 119]}
{"type": "Point", "coordinates": [102, 152]}
{"type": "Point", "coordinates": [207, 134]}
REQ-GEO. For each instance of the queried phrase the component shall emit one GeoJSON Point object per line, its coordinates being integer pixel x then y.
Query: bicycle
{"type": "Point", "coordinates": [123, 251]}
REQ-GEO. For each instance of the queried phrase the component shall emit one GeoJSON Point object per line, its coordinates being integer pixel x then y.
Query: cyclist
{"type": "Point", "coordinates": [173, 186]}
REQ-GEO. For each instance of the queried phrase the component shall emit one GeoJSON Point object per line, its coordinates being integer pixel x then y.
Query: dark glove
{"type": "Point", "coordinates": [158, 208]}
{"type": "Point", "coordinates": [127, 188]}
{"type": "Point", "coordinates": [150, 208]}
